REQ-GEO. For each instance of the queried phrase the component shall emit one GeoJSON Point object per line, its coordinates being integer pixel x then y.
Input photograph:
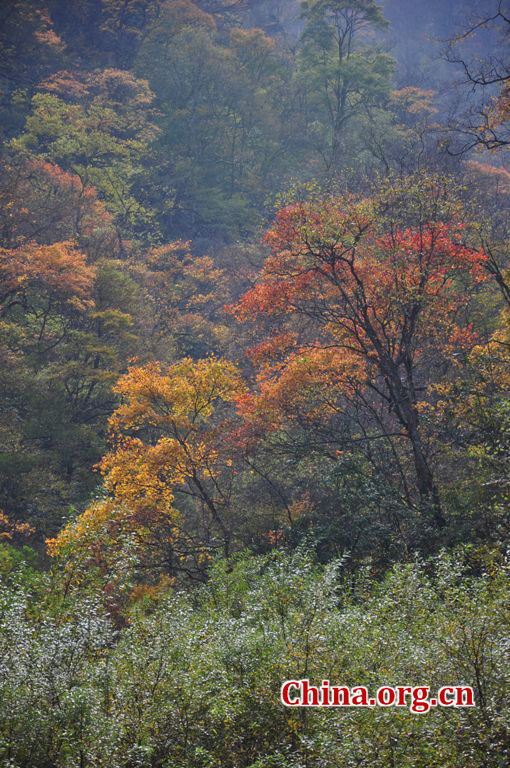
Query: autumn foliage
{"type": "Point", "coordinates": [57, 273]}
{"type": "Point", "coordinates": [373, 306]}
{"type": "Point", "coordinates": [165, 442]}
{"type": "Point", "coordinates": [254, 381]}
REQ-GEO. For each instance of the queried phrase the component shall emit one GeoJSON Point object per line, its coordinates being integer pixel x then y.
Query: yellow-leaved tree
{"type": "Point", "coordinates": [167, 478]}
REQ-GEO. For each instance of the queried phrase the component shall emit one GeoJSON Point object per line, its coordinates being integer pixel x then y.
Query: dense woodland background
{"type": "Point", "coordinates": [255, 376]}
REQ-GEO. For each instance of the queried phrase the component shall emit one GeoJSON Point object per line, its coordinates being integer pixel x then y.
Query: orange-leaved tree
{"type": "Point", "coordinates": [43, 278]}
{"type": "Point", "coordinates": [167, 479]}
{"type": "Point", "coordinates": [364, 300]}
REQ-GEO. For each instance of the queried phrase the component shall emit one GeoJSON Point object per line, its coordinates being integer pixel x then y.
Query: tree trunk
{"type": "Point", "coordinates": [424, 479]}
{"type": "Point", "coordinates": [408, 416]}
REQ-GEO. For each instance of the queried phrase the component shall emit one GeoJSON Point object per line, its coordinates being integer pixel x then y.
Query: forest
{"type": "Point", "coordinates": [254, 380]}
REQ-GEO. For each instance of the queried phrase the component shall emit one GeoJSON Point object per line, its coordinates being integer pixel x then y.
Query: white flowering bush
{"type": "Point", "coordinates": [193, 680]}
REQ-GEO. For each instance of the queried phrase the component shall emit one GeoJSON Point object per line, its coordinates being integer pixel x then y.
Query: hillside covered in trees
{"type": "Point", "coordinates": [254, 380]}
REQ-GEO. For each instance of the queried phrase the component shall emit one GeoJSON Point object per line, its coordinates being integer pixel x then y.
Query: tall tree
{"type": "Point", "coordinates": [367, 296]}
{"type": "Point", "coordinates": [339, 75]}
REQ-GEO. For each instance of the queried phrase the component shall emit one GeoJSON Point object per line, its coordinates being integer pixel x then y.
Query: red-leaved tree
{"type": "Point", "coordinates": [364, 300]}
